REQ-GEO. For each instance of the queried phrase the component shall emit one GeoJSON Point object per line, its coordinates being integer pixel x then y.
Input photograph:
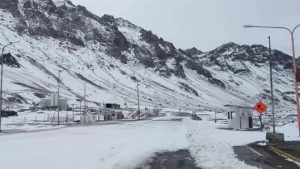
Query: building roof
{"type": "Point", "coordinates": [237, 106]}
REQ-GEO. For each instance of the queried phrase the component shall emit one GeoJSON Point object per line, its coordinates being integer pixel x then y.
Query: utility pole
{"type": "Point", "coordinates": [138, 100]}
{"type": "Point", "coordinates": [271, 83]}
{"type": "Point", "coordinates": [67, 114]}
{"type": "Point", "coordinates": [84, 104]}
{"type": "Point", "coordinates": [58, 105]}
{"type": "Point", "coordinates": [215, 117]}
{"type": "Point", "coordinates": [99, 110]}
{"type": "Point", "coordinates": [80, 105]}
{"type": "Point", "coordinates": [73, 110]}
{"type": "Point", "coordinates": [1, 87]}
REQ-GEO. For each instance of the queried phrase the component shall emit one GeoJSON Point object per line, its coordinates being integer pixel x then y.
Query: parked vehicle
{"type": "Point", "coordinates": [7, 113]}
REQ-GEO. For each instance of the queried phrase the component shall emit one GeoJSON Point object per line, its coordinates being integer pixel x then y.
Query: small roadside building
{"type": "Point", "coordinates": [239, 117]}
{"type": "Point", "coordinates": [112, 111]}
{"type": "Point", "coordinates": [52, 102]}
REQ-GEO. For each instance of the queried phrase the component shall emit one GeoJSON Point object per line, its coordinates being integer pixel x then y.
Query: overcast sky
{"type": "Point", "coordinates": [207, 24]}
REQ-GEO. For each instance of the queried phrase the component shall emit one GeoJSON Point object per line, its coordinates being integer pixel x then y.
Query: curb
{"type": "Point", "coordinates": [285, 154]}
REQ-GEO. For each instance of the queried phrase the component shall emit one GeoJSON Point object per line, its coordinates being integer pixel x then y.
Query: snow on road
{"type": "Point", "coordinates": [123, 146]}
{"type": "Point", "coordinates": [212, 147]}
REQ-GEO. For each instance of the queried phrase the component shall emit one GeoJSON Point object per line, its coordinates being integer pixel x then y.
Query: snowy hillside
{"type": "Point", "coordinates": [111, 54]}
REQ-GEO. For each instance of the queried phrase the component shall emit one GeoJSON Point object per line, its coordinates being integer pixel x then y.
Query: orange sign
{"type": "Point", "coordinates": [261, 107]}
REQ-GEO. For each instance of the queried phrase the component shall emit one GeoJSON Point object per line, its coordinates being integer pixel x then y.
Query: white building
{"type": "Point", "coordinates": [239, 117]}
{"type": "Point", "coordinates": [88, 118]}
{"type": "Point", "coordinates": [112, 111]}
{"type": "Point", "coordinates": [52, 102]}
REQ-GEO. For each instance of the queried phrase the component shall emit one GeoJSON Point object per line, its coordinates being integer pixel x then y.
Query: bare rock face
{"type": "Point", "coordinates": [11, 61]}
{"type": "Point", "coordinates": [12, 6]}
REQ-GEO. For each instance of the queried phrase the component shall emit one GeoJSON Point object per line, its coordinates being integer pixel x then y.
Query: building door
{"type": "Point", "coordinates": [250, 122]}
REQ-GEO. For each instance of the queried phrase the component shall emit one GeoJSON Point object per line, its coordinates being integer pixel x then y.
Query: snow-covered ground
{"type": "Point", "coordinates": [112, 146]}
{"type": "Point", "coordinates": [291, 131]}
{"type": "Point", "coordinates": [40, 120]}
{"type": "Point", "coordinates": [128, 145]}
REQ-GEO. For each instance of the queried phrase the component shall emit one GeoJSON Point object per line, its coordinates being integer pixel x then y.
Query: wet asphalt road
{"type": "Point", "coordinates": [292, 147]}
{"type": "Point", "coordinates": [171, 160]}
{"type": "Point", "coordinates": [262, 157]}
{"type": "Point", "coordinates": [253, 155]}
{"type": "Point", "coordinates": [180, 159]}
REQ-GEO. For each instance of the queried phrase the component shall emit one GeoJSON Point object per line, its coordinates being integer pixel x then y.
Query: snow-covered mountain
{"type": "Point", "coordinates": [110, 54]}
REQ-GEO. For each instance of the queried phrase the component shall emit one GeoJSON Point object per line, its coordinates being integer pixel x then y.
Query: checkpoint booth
{"type": "Point", "coordinates": [239, 117]}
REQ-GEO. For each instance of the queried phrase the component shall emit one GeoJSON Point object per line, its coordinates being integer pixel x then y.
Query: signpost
{"type": "Point", "coordinates": [260, 107]}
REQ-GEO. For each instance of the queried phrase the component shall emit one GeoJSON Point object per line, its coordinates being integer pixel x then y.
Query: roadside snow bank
{"type": "Point", "coordinates": [290, 131]}
{"type": "Point", "coordinates": [212, 148]}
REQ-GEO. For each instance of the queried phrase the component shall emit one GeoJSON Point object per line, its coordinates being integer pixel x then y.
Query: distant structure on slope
{"type": "Point", "coordinates": [239, 117]}
{"type": "Point", "coordinates": [112, 111]}
{"type": "Point", "coordinates": [52, 102]}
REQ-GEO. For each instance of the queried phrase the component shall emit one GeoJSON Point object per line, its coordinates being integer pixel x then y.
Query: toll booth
{"type": "Point", "coordinates": [239, 117]}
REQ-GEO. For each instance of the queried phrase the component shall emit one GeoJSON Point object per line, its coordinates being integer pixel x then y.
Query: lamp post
{"type": "Point", "coordinates": [1, 87]}
{"type": "Point", "coordinates": [291, 31]}
{"type": "Point", "coordinates": [271, 83]}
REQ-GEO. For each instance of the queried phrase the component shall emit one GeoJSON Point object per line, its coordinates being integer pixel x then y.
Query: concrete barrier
{"type": "Point", "coordinates": [275, 137]}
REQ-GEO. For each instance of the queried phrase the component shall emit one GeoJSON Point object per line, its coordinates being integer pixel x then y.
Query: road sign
{"type": "Point", "coordinates": [260, 107]}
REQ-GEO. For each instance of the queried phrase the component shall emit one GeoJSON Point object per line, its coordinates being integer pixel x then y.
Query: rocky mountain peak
{"type": "Point", "coordinates": [193, 51]}
{"type": "Point", "coordinates": [108, 19]}
{"type": "Point", "coordinates": [92, 46]}
{"type": "Point", "coordinates": [255, 54]}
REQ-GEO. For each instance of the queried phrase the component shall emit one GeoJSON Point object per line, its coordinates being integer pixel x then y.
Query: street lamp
{"type": "Point", "coordinates": [1, 87]}
{"type": "Point", "coordinates": [291, 31]}
{"type": "Point", "coordinates": [271, 83]}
